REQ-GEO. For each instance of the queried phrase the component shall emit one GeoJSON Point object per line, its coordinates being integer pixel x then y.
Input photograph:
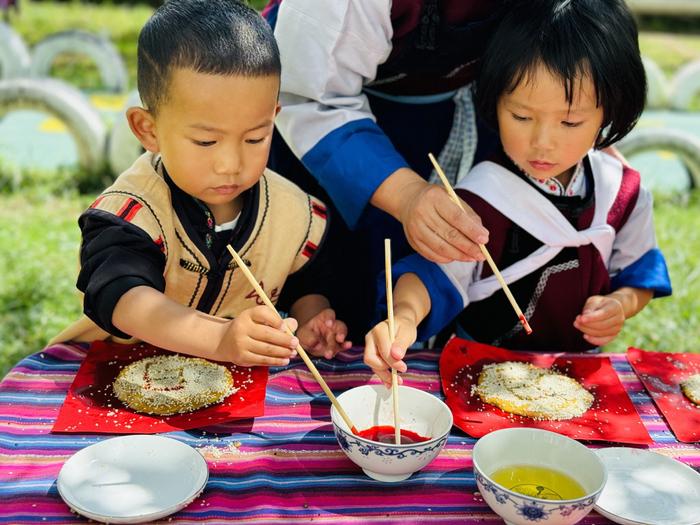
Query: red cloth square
{"type": "Point", "coordinates": [661, 374]}
{"type": "Point", "coordinates": [91, 405]}
{"type": "Point", "coordinates": [611, 418]}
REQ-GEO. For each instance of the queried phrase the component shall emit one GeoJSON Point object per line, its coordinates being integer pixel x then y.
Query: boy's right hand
{"type": "Point", "coordinates": [257, 338]}
{"type": "Point", "coordinates": [381, 355]}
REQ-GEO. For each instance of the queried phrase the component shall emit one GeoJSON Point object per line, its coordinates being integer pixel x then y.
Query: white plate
{"type": "Point", "coordinates": [132, 479]}
{"type": "Point", "coordinates": [646, 488]}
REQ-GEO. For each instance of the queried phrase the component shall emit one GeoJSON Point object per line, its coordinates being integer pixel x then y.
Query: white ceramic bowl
{"type": "Point", "coordinates": [541, 448]}
{"type": "Point", "coordinates": [371, 405]}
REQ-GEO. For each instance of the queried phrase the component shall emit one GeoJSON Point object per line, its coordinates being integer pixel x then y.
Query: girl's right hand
{"type": "Point", "coordinates": [257, 338]}
{"type": "Point", "coordinates": [381, 355]}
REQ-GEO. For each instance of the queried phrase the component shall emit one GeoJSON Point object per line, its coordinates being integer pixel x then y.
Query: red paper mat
{"type": "Point", "coordinates": [661, 374]}
{"type": "Point", "coordinates": [611, 418]}
{"type": "Point", "coordinates": [91, 405]}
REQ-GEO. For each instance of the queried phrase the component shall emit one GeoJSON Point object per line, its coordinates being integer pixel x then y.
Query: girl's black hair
{"type": "Point", "coordinates": [221, 37]}
{"type": "Point", "coordinates": [571, 38]}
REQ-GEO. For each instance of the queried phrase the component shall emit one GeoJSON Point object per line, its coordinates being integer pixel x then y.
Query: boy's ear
{"type": "Point", "coordinates": [143, 126]}
{"type": "Point", "coordinates": [277, 110]}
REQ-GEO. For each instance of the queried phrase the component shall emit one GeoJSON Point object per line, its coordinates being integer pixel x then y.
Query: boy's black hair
{"type": "Point", "coordinates": [220, 37]}
{"type": "Point", "coordinates": [571, 38]}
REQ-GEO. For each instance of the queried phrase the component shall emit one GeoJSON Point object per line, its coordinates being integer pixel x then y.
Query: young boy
{"type": "Point", "coordinates": [154, 263]}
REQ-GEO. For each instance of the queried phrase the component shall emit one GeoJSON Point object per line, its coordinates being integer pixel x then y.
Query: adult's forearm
{"type": "Point", "coordinates": [396, 189]}
{"type": "Point", "coordinates": [150, 316]}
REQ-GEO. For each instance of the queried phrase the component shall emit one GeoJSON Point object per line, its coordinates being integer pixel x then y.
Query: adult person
{"type": "Point", "coordinates": [368, 90]}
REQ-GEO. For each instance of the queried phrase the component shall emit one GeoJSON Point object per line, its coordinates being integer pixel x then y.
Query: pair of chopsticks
{"type": "Point", "coordinates": [487, 255]}
{"type": "Point", "coordinates": [314, 371]}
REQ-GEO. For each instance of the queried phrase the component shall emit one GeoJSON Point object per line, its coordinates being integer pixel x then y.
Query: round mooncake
{"type": "Point", "coordinates": [691, 388]}
{"type": "Point", "coordinates": [526, 390]}
{"type": "Point", "coordinates": [171, 384]}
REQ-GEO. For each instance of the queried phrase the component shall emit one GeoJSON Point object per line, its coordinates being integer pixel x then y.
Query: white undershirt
{"type": "Point", "coordinates": [230, 225]}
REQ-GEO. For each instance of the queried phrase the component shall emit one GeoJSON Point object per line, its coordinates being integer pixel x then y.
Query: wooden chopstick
{"type": "Point", "coordinates": [494, 269]}
{"type": "Point", "coordinates": [253, 281]}
{"type": "Point", "coordinates": [392, 334]}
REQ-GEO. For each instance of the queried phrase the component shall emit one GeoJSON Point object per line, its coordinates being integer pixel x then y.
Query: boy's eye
{"type": "Point", "coordinates": [204, 143]}
{"type": "Point", "coordinates": [571, 124]}
{"type": "Point", "coordinates": [519, 118]}
{"type": "Point", "coordinates": [254, 141]}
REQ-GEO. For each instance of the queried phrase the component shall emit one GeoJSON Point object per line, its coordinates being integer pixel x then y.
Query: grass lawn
{"type": "Point", "coordinates": [39, 235]}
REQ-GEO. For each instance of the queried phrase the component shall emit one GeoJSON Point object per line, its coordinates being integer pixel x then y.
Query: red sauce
{"type": "Point", "coordinates": [385, 434]}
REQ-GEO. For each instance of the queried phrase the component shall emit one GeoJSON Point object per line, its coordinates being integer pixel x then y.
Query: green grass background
{"type": "Point", "coordinates": [38, 211]}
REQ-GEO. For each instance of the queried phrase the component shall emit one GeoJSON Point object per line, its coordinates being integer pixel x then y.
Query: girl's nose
{"type": "Point", "coordinates": [542, 138]}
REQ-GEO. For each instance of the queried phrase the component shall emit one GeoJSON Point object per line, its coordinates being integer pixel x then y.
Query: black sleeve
{"type": "Point", "coordinates": [115, 256]}
{"type": "Point", "coordinates": [312, 278]}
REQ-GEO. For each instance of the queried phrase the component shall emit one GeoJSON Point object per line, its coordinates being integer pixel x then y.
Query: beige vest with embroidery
{"type": "Point", "coordinates": [288, 228]}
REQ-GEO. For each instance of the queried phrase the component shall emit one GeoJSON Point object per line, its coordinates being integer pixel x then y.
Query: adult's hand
{"type": "Point", "coordinates": [435, 226]}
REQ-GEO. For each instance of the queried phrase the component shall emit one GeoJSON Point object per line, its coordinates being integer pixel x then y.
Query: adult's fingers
{"type": "Point", "coordinates": [461, 228]}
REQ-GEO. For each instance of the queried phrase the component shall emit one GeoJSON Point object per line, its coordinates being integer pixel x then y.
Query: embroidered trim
{"type": "Point", "coordinates": [193, 267]}
{"type": "Point", "coordinates": [539, 290]}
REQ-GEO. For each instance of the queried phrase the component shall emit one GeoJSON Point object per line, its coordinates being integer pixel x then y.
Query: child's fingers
{"type": "Point", "coordinates": [265, 315]}
{"type": "Point", "coordinates": [262, 348]}
{"type": "Point", "coordinates": [271, 336]}
{"type": "Point", "coordinates": [292, 323]}
{"type": "Point", "coordinates": [264, 360]}
{"type": "Point", "coordinates": [599, 341]}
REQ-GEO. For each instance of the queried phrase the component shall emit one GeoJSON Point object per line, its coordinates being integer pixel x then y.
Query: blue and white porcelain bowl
{"type": "Point", "coordinates": [370, 406]}
{"type": "Point", "coordinates": [541, 448]}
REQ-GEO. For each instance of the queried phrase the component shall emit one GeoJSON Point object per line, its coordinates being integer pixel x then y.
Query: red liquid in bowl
{"type": "Point", "coordinates": [385, 434]}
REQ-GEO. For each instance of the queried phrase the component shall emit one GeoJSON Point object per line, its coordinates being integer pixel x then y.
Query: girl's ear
{"type": "Point", "coordinates": [143, 126]}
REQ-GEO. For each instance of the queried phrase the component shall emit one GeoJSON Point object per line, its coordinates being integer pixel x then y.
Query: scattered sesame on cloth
{"type": "Point", "coordinates": [612, 416]}
{"type": "Point", "coordinates": [92, 406]}
{"type": "Point", "coordinates": [662, 373]}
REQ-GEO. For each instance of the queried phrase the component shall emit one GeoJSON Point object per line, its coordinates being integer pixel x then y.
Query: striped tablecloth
{"type": "Point", "coordinates": [284, 467]}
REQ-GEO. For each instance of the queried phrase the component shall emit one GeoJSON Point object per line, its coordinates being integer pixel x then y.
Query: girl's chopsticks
{"type": "Point", "coordinates": [300, 350]}
{"type": "Point", "coordinates": [392, 335]}
{"type": "Point", "coordinates": [486, 253]}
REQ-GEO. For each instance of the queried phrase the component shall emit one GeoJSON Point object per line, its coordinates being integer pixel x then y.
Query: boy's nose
{"type": "Point", "coordinates": [228, 163]}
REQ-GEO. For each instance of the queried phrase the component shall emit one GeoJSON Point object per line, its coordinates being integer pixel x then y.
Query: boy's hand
{"type": "Point", "coordinates": [323, 335]}
{"type": "Point", "coordinates": [257, 338]}
{"type": "Point", "coordinates": [381, 355]}
{"type": "Point", "coordinates": [602, 319]}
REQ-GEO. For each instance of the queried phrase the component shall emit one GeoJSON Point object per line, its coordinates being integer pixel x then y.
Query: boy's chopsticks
{"type": "Point", "coordinates": [392, 335]}
{"type": "Point", "coordinates": [300, 350]}
{"type": "Point", "coordinates": [486, 253]}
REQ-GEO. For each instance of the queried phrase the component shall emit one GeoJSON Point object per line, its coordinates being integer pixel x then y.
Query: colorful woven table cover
{"type": "Point", "coordinates": [283, 467]}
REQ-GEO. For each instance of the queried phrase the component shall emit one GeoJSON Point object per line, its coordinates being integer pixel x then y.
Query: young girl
{"type": "Point", "coordinates": [570, 227]}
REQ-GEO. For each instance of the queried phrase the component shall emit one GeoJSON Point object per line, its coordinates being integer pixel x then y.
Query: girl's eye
{"type": "Point", "coordinates": [254, 141]}
{"type": "Point", "coordinates": [571, 124]}
{"type": "Point", "coordinates": [204, 143]}
{"type": "Point", "coordinates": [519, 118]}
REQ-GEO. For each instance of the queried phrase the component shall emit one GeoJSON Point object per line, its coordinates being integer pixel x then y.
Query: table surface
{"type": "Point", "coordinates": [283, 467]}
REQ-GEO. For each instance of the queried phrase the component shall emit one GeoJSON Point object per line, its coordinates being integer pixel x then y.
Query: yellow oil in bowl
{"type": "Point", "coordinates": [538, 482]}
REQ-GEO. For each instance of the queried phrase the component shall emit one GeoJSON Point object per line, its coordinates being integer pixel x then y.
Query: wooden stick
{"type": "Point", "coordinates": [392, 334]}
{"type": "Point", "coordinates": [486, 253]}
{"type": "Point", "coordinates": [300, 350]}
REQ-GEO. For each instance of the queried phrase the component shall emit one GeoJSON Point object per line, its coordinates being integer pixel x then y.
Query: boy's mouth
{"type": "Point", "coordinates": [227, 189]}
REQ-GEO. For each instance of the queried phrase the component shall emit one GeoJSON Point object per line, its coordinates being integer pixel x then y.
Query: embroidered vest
{"type": "Point", "coordinates": [288, 228]}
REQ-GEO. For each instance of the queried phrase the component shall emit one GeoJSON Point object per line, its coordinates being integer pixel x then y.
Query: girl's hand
{"type": "Point", "coordinates": [323, 335]}
{"type": "Point", "coordinates": [437, 228]}
{"type": "Point", "coordinates": [602, 319]}
{"type": "Point", "coordinates": [257, 338]}
{"type": "Point", "coordinates": [381, 355]}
